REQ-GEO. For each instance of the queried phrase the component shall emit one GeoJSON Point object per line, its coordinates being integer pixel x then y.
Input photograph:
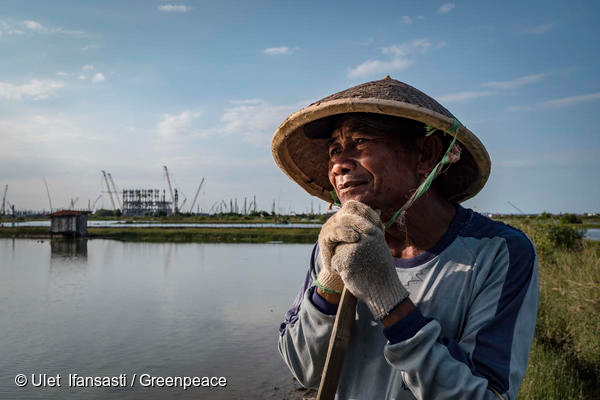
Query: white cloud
{"type": "Point", "coordinates": [365, 42]}
{"type": "Point", "coordinates": [463, 96]}
{"type": "Point", "coordinates": [90, 47]}
{"type": "Point", "coordinates": [406, 20]}
{"type": "Point", "coordinates": [420, 17]}
{"type": "Point", "coordinates": [62, 73]}
{"type": "Point", "coordinates": [39, 128]}
{"type": "Point", "coordinates": [88, 67]}
{"type": "Point", "coordinates": [278, 50]}
{"type": "Point", "coordinates": [1, 34]}
{"type": "Point", "coordinates": [172, 126]}
{"type": "Point", "coordinates": [570, 101]}
{"type": "Point", "coordinates": [174, 8]}
{"type": "Point", "coordinates": [15, 32]}
{"type": "Point", "coordinates": [82, 77]}
{"type": "Point", "coordinates": [254, 121]}
{"type": "Point", "coordinates": [401, 56]}
{"type": "Point", "coordinates": [441, 44]}
{"type": "Point", "coordinates": [70, 32]}
{"type": "Point", "coordinates": [422, 44]}
{"type": "Point", "coordinates": [562, 158]}
{"type": "Point", "coordinates": [516, 83]}
{"type": "Point", "coordinates": [34, 26]}
{"type": "Point", "coordinates": [539, 29]}
{"type": "Point", "coordinates": [557, 103]}
{"type": "Point", "coordinates": [35, 89]}
{"type": "Point", "coordinates": [372, 67]}
{"type": "Point", "coordinates": [446, 8]}
{"type": "Point", "coordinates": [247, 101]}
{"type": "Point", "coordinates": [98, 77]}
{"type": "Point", "coordinates": [499, 85]}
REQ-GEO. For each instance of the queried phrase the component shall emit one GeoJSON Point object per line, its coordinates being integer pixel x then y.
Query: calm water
{"type": "Point", "coordinates": [593, 234]}
{"type": "Point", "coordinates": [104, 308]}
{"type": "Point", "coordinates": [172, 225]}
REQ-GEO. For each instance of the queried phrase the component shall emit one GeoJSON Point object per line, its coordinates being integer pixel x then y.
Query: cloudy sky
{"type": "Point", "coordinates": [200, 86]}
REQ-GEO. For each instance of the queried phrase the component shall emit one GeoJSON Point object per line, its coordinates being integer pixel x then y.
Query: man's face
{"type": "Point", "coordinates": [370, 167]}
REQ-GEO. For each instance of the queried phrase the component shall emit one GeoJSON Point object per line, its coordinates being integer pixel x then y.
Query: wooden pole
{"type": "Point", "coordinates": [338, 344]}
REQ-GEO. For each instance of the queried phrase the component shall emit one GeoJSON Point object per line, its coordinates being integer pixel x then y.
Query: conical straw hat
{"type": "Point", "coordinates": [305, 160]}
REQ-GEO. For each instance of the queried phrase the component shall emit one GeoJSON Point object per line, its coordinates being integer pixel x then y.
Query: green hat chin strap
{"type": "Point", "coordinates": [451, 156]}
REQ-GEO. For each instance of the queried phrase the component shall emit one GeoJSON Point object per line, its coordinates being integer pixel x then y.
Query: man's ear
{"type": "Point", "coordinates": [431, 148]}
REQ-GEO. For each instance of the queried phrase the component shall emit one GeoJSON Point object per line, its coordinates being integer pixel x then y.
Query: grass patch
{"type": "Point", "coordinates": [565, 359]}
{"type": "Point", "coordinates": [202, 235]}
{"type": "Point", "coordinates": [208, 235]}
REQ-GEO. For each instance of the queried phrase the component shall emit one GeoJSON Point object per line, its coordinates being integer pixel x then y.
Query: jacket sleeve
{"type": "Point", "coordinates": [489, 360]}
{"type": "Point", "coordinates": [304, 335]}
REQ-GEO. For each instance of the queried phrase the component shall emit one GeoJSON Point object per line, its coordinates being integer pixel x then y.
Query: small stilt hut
{"type": "Point", "coordinates": [69, 222]}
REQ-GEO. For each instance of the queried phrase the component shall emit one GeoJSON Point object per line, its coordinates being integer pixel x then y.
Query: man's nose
{"type": "Point", "coordinates": [341, 164]}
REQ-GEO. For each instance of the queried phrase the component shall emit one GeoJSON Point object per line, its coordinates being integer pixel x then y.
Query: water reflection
{"type": "Point", "coordinates": [68, 248]}
{"type": "Point", "coordinates": [101, 307]}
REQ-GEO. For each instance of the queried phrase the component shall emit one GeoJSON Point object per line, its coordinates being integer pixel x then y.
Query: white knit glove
{"type": "Point", "coordinates": [365, 264]}
{"type": "Point", "coordinates": [342, 227]}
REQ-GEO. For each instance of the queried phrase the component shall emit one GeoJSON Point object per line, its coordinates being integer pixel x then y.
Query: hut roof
{"type": "Point", "coordinates": [68, 213]}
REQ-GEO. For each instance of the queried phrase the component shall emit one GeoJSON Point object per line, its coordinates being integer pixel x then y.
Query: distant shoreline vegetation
{"type": "Point", "coordinates": [558, 230]}
{"type": "Point", "coordinates": [182, 235]}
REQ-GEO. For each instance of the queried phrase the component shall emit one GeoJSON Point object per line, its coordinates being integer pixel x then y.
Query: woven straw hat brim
{"type": "Point", "coordinates": [306, 160]}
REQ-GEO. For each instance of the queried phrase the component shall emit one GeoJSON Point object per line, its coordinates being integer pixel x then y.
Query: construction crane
{"type": "Point", "coordinates": [48, 191]}
{"type": "Point", "coordinates": [170, 189]}
{"type": "Point", "coordinates": [108, 189]}
{"type": "Point", "coordinates": [4, 199]}
{"type": "Point", "coordinates": [115, 191]}
{"type": "Point", "coordinates": [196, 196]}
{"type": "Point", "coordinates": [95, 201]}
{"type": "Point", "coordinates": [515, 207]}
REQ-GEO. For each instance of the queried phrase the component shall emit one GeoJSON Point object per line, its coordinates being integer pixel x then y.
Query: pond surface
{"type": "Point", "coordinates": [593, 234]}
{"type": "Point", "coordinates": [113, 224]}
{"type": "Point", "coordinates": [105, 308]}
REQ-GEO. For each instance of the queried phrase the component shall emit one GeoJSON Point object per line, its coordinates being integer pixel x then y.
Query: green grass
{"type": "Point", "coordinates": [208, 235]}
{"type": "Point", "coordinates": [204, 235]}
{"type": "Point", "coordinates": [565, 359]}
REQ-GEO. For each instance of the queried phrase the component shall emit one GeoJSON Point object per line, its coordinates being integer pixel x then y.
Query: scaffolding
{"type": "Point", "coordinates": [143, 202]}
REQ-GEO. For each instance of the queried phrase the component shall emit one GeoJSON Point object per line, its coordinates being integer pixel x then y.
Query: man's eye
{"type": "Point", "coordinates": [334, 151]}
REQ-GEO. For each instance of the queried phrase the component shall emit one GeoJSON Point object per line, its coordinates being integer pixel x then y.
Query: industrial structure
{"type": "Point", "coordinates": [69, 222]}
{"type": "Point", "coordinates": [141, 202]}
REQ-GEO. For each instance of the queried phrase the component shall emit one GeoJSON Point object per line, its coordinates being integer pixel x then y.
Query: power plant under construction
{"type": "Point", "coordinates": [141, 202]}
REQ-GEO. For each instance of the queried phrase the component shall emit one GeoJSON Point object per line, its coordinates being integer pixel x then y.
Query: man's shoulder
{"type": "Point", "coordinates": [480, 226]}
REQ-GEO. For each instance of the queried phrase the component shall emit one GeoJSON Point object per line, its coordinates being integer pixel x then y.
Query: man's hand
{"type": "Point", "coordinates": [355, 248]}
{"type": "Point", "coordinates": [343, 227]}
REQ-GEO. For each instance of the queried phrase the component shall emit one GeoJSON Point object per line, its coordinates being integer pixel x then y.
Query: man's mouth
{"type": "Point", "coordinates": [350, 185]}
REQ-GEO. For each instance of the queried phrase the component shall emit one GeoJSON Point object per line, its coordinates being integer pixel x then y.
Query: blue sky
{"type": "Point", "coordinates": [199, 86]}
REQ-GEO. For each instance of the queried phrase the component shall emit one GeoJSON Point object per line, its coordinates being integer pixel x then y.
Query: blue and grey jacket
{"type": "Point", "coordinates": [476, 293]}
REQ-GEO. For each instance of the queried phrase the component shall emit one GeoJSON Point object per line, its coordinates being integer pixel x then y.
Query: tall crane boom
{"type": "Point", "coordinates": [4, 199]}
{"type": "Point", "coordinates": [95, 201]}
{"type": "Point", "coordinates": [196, 196]}
{"type": "Point", "coordinates": [48, 191]}
{"type": "Point", "coordinates": [515, 207]}
{"type": "Point", "coordinates": [170, 189]}
{"type": "Point", "coordinates": [109, 191]}
{"type": "Point", "coordinates": [115, 190]}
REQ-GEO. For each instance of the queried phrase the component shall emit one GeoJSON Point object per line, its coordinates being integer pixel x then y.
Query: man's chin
{"type": "Point", "coordinates": [365, 198]}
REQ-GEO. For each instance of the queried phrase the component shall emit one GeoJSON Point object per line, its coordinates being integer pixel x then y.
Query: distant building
{"type": "Point", "coordinates": [69, 222]}
{"type": "Point", "coordinates": [141, 202]}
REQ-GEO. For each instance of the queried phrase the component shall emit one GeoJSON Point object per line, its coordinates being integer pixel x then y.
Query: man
{"type": "Point", "coordinates": [447, 297]}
